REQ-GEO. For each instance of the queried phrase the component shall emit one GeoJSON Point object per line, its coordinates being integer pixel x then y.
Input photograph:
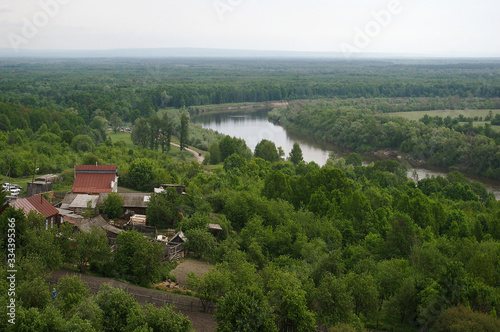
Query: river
{"type": "Point", "coordinates": [254, 126]}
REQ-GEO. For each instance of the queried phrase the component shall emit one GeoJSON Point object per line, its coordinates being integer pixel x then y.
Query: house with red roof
{"type": "Point", "coordinates": [95, 179]}
{"type": "Point", "coordinates": [39, 204]}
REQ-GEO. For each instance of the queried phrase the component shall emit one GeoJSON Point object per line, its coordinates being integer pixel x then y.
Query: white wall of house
{"type": "Point", "coordinates": [114, 185]}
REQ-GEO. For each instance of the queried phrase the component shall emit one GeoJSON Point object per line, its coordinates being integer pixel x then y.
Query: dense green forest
{"type": "Point", "coordinates": [133, 88]}
{"type": "Point", "coordinates": [342, 246]}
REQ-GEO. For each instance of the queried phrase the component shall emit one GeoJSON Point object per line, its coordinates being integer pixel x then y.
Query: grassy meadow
{"type": "Point", "coordinates": [417, 115]}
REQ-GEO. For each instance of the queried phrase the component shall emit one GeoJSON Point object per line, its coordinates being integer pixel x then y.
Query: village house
{"type": "Point", "coordinates": [39, 204]}
{"type": "Point", "coordinates": [73, 206]}
{"type": "Point", "coordinates": [68, 216]}
{"type": "Point", "coordinates": [133, 203]}
{"type": "Point", "coordinates": [85, 226]}
{"type": "Point", "coordinates": [82, 202]}
{"type": "Point", "coordinates": [95, 179]}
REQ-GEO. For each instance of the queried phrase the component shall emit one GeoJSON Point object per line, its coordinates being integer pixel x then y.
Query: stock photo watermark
{"type": "Point", "coordinates": [11, 270]}
{"type": "Point", "coordinates": [364, 36]}
{"type": "Point", "coordinates": [222, 7]}
{"type": "Point", "coordinates": [32, 26]}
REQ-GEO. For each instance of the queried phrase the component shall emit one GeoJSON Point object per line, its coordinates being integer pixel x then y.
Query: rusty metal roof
{"type": "Point", "coordinates": [35, 203]}
{"type": "Point", "coordinates": [93, 183]}
{"type": "Point", "coordinates": [97, 168]}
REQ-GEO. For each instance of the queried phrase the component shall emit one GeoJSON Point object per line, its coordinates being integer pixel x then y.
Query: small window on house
{"type": "Point", "coordinates": [46, 224]}
{"type": "Point", "coordinates": [51, 222]}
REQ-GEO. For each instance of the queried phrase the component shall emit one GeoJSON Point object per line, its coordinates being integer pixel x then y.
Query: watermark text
{"type": "Point", "coordinates": [364, 36]}
{"type": "Point", "coordinates": [224, 6]}
{"type": "Point", "coordinates": [11, 270]}
{"type": "Point", "coordinates": [31, 27]}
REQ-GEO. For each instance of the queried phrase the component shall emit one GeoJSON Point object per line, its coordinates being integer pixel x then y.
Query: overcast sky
{"type": "Point", "coordinates": [417, 27]}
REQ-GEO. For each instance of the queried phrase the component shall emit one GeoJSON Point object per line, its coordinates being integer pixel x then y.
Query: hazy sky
{"type": "Point", "coordinates": [419, 27]}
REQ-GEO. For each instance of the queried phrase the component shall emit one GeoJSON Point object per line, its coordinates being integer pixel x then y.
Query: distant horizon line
{"type": "Point", "coordinates": [198, 52]}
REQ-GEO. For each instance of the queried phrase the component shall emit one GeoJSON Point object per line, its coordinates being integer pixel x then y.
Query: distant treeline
{"type": "Point", "coordinates": [135, 88]}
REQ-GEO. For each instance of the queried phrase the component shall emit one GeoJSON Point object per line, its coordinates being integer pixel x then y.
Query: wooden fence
{"type": "Point", "coordinates": [162, 298]}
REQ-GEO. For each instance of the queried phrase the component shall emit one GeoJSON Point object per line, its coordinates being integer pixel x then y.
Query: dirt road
{"type": "Point", "coordinates": [187, 266]}
{"type": "Point", "coordinates": [198, 156]}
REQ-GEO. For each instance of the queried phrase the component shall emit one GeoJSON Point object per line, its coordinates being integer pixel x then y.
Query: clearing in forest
{"type": "Point", "coordinates": [417, 115]}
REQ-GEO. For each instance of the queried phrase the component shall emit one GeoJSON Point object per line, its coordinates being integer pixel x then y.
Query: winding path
{"type": "Point", "coordinates": [198, 156]}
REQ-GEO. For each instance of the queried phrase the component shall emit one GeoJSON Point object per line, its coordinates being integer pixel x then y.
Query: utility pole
{"type": "Point", "coordinates": [6, 175]}
{"type": "Point", "coordinates": [34, 170]}
{"type": "Point", "coordinates": [9, 168]}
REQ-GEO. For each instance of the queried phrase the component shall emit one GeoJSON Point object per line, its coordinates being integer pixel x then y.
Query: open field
{"type": "Point", "coordinates": [482, 123]}
{"type": "Point", "coordinates": [235, 107]}
{"type": "Point", "coordinates": [417, 115]}
{"type": "Point", "coordinates": [174, 152]}
{"type": "Point", "coordinates": [187, 266]}
{"type": "Point", "coordinates": [122, 136]}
